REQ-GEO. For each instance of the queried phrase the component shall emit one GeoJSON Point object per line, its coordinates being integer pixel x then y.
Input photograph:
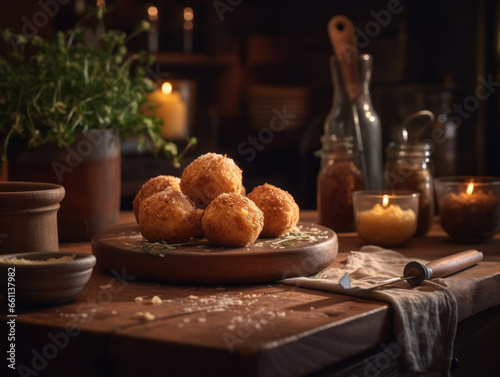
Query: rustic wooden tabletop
{"type": "Point", "coordinates": [232, 330]}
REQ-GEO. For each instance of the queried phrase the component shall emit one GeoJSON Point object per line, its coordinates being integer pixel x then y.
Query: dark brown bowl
{"type": "Point", "coordinates": [44, 283]}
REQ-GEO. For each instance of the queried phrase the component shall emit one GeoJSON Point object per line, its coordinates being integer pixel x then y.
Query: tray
{"type": "Point", "coordinates": [120, 247]}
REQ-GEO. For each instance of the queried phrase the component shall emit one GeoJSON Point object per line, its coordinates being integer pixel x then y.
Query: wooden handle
{"type": "Point", "coordinates": [343, 39]}
{"type": "Point", "coordinates": [457, 262]}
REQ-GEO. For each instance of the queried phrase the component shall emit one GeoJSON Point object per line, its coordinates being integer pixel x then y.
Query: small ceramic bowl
{"type": "Point", "coordinates": [43, 277]}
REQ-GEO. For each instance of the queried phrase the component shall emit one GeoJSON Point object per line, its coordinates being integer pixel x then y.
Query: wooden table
{"type": "Point", "coordinates": [248, 330]}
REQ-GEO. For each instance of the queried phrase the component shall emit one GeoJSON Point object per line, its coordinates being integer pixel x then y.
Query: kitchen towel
{"type": "Point", "coordinates": [425, 316]}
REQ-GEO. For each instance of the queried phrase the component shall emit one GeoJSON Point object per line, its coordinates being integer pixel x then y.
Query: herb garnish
{"type": "Point", "coordinates": [156, 249]}
{"type": "Point", "coordinates": [287, 239]}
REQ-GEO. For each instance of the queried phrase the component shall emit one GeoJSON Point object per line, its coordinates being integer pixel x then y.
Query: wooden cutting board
{"type": "Point", "coordinates": [121, 246]}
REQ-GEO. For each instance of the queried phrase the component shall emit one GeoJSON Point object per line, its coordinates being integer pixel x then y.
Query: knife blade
{"type": "Point", "coordinates": [415, 272]}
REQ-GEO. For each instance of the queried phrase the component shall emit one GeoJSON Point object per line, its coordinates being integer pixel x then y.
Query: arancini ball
{"type": "Point", "coordinates": [281, 213]}
{"type": "Point", "coordinates": [232, 220]}
{"type": "Point", "coordinates": [209, 176]}
{"type": "Point", "coordinates": [152, 186]}
{"type": "Point", "coordinates": [168, 216]}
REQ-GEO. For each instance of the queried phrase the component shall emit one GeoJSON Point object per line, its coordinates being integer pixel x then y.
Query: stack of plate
{"type": "Point", "coordinates": [277, 106]}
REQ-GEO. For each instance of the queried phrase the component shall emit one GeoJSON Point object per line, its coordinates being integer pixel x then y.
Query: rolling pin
{"type": "Point", "coordinates": [416, 272]}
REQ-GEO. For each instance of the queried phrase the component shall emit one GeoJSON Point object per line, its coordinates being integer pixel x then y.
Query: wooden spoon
{"type": "Point", "coordinates": [343, 39]}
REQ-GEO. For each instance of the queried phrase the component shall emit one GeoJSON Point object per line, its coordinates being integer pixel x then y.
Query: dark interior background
{"type": "Point", "coordinates": [432, 55]}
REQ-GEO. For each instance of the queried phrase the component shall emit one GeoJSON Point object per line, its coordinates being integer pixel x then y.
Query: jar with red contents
{"type": "Point", "coordinates": [408, 168]}
{"type": "Point", "coordinates": [339, 176]}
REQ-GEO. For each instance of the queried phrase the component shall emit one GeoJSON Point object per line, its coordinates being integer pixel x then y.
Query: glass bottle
{"type": "Point", "coordinates": [355, 116]}
{"type": "Point", "coordinates": [408, 168]}
{"type": "Point", "coordinates": [338, 178]}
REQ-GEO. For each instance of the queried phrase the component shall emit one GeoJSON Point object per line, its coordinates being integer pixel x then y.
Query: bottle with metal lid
{"type": "Point", "coordinates": [354, 115]}
{"type": "Point", "coordinates": [339, 176]}
{"type": "Point", "coordinates": [408, 168]}
{"type": "Point", "coordinates": [352, 111]}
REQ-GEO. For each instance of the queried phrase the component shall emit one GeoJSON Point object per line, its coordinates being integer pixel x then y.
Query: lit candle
{"type": "Point", "coordinates": [172, 109]}
{"type": "Point", "coordinates": [153, 32]}
{"type": "Point", "coordinates": [188, 30]}
{"type": "Point", "coordinates": [387, 224]}
{"type": "Point", "coordinates": [470, 215]}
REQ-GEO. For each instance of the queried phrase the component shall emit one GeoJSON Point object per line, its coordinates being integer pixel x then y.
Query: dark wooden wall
{"type": "Point", "coordinates": [427, 54]}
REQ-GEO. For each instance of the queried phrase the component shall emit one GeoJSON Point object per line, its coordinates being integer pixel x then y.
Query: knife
{"type": "Point", "coordinates": [415, 272]}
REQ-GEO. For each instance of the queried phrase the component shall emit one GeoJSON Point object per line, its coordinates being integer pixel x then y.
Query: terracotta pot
{"type": "Point", "coordinates": [28, 216]}
{"type": "Point", "coordinates": [89, 170]}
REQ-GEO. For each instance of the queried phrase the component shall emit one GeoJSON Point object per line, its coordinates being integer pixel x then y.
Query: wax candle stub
{"type": "Point", "coordinates": [387, 225]}
{"type": "Point", "coordinates": [386, 219]}
{"type": "Point", "coordinates": [469, 211]}
{"type": "Point", "coordinates": [172, 109]}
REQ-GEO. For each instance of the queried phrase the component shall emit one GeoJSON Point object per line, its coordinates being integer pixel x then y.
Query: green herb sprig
{"type": "Point", "coordinates": [289, 238]}
{"type": "Point", "coordinates": [157, 249]}
{"type": "Point", "coordinates": [50, 89]}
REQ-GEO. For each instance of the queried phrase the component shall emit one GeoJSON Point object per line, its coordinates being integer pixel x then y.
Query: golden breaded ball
{"type": "Point", "coordinates": [209, 176]}
{"type": "Point", "coordinates": [152, 186]}
{"type": "Point", "coordinates": [232, 220]}
{"type": "Point", "coordinates": [281, 213]}
{"type": "Point", "coordinates": [168, 216]}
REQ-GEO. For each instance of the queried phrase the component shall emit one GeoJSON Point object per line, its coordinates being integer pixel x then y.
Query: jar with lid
{"type": "Point", "coordinates": [407, 167]}
{"type": "Point", "coordinates": [339, 176]}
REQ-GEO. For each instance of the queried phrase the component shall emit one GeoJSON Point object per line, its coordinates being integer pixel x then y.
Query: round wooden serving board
{"type": "Point", "coordinates": [120, 247]}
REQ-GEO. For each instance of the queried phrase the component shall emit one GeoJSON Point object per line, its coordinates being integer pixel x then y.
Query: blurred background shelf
{"type": "Point", "coordinates": [429, 54]}
{"type": "Point", "coordinates": [185, 59]}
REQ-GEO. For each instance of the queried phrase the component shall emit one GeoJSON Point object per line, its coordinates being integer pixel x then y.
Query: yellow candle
{"type": "Point", "coordinates": [387, 225]}
{"type": "Point", "coordinates": [172, 110]}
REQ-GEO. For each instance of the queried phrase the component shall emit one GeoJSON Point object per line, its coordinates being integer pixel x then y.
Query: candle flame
{"type": "Point", "coordinates": [385, 201]}
{"type": "Point", "coordinates": [152, 13]}
{"type": "Point", "coordinates": [188, 14]}
{"type": "Point", "coordinates": [166, 88]}
{"type": "Point", "coordinates": [470, 188]}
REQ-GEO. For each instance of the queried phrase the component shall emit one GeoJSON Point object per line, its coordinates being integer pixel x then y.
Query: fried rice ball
{"type": "Point", "coordinates": [281, 213]}
{"type": "Point", "coordinates": [168, 216]}
{"type": "Point", "coordinates": [209, 176]}
{"type": "Point", "coordinates": [152, 186]}
{"type": "Point", "coordinates": [232, 220]}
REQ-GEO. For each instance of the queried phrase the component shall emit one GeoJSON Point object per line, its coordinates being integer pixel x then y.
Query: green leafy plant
{"type": "Point", "coordinates": [49, 89]}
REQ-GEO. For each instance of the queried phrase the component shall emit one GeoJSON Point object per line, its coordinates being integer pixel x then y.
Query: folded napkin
{"type": "Point", "coordinates": [425, 316]}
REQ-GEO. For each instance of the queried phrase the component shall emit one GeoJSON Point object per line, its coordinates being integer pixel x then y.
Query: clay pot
{"type": "Point", "coordinates": [89, 170]}
{"type": "Point", "coordinates": [28, 216]}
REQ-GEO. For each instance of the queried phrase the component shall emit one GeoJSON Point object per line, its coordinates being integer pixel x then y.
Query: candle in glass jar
{"type": "Point", "coordinates": [172, 110]}
{"type": "Point", "coordinates": [470, 215]}
{"type": "Point", "coordinates": [387, 224]}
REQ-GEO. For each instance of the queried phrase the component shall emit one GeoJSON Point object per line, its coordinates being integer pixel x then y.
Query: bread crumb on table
{"type": "Point", "coordinates": [156, 300]}
{"type": "Point", "coordinates": [145, 316]}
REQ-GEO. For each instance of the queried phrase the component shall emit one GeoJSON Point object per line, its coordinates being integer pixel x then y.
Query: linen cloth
{"type": "Point", "coordinates": [425, 316]}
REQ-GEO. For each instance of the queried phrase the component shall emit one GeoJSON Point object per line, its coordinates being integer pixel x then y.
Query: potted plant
{"type": "Point", "coordinates": [65, 104]}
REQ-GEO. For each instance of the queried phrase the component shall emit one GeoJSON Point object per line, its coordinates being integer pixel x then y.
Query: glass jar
{"type": "Point", "coordinates": [352, 114]}
{"type": "Point", "coordinates": [408, 168]}
{"type": "Point", "coordinates": [338, 178]}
